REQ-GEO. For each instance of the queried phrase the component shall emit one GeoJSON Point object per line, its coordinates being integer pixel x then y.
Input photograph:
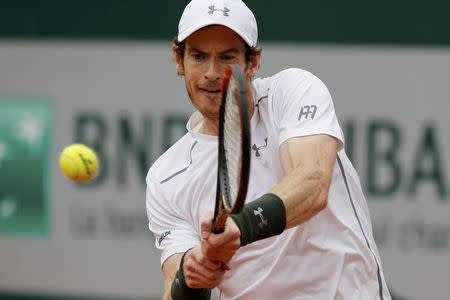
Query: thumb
{"type": "Point", "coordinates": [206, 228]}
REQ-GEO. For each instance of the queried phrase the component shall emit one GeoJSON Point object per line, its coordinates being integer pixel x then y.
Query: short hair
{"type": "Point", "coordinates": [250, 52]}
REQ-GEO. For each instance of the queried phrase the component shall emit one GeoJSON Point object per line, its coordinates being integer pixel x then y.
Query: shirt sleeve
{"type": "Point", "coordinates": [173, 234]}
{"type": "Point", "coordinates": [302, 106]}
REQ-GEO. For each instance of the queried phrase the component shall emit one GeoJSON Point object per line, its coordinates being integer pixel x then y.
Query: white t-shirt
{"type": "Point", "coordinates": [331, 256]}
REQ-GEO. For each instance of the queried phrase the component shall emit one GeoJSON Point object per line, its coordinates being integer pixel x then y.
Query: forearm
{"type": "Point", "coordinates": [294, 200]}
{"type": "Point", "coordinates": [308, 165]}
{"type": "Point", "coordinates": [304, 192]}
{"type": "Point", "coordinates": [169, 269]}
{"type": "Point", "coordinates": [167, 288]}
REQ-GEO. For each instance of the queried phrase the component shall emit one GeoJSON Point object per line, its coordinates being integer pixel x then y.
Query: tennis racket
{"type": "Point", "coordinates": [234, 148]}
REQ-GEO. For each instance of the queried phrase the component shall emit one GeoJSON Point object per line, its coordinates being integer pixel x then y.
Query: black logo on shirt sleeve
{"type": "Point", "coordinates": [163, 236]}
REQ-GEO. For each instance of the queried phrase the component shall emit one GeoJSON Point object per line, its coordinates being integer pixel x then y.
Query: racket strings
{"type": "Point", "coordinates": [232, 139]}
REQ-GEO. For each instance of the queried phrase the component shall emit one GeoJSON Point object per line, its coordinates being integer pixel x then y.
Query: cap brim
{"type": "Point", "coordinates": [182, 36]}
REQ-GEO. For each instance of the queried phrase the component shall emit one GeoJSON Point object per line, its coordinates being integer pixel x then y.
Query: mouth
{"type": "Point", "coordinates": [211, 90]}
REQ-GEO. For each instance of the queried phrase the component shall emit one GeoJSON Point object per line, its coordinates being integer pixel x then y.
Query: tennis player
{"type": "Point", "coordinates": [305, 231]}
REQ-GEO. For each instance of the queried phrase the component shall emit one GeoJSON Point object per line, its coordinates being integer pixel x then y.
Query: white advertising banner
{"type": "Point", "coordinates": [126, 100]}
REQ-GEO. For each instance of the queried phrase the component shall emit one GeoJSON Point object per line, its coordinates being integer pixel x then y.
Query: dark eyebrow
{"type": "Point", "coordinates": [231, 50]}
{"type": "Point", "coordinates": [195, 50]}
{"type": "Point", "coordinates": [228, 51]}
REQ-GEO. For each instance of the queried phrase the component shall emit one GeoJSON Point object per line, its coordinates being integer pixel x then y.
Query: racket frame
{"type": "Point", "coordinates": [222, 210]}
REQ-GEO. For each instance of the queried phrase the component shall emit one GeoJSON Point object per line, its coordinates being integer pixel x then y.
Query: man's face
{"type": "Point", "coordinates": [207, 52]}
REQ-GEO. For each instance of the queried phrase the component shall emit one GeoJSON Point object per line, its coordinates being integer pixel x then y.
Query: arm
{"type": "Point", "coordinates": [199, 275]}
{"type": "Point", "coordinates": [307, 156]}
{"type": "Point", "coordinates": [173, 235]}
{"type": "Point", "coordinates": [169, 269]}
{"type": "Point", "coordinates": [308, 164]}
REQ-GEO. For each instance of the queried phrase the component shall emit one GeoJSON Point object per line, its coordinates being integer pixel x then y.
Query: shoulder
{"type": "Point", "coordinates": [292, 72]}
{"type": "Point", "coordinates": [286, 75]}
{"type": "Point", "coordinates": [295, 78]}
{"type": "Point", "coordinates": [286, 81]}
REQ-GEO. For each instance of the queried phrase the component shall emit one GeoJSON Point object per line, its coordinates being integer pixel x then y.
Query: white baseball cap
{"type": "Point", "coordinates": [233, 14]}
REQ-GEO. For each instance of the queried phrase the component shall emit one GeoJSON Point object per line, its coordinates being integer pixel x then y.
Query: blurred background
{"type": "Point", "coordinates": [100, 72]}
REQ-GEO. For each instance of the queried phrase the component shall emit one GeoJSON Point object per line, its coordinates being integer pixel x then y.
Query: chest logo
{"type": "Point", "coordinates": [258, 148]}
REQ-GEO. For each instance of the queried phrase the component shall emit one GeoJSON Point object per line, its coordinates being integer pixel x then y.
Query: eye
{"type": "Point", "coordinates": [227, 58]}
{"type": "Point", "coordinates": [198, 56]}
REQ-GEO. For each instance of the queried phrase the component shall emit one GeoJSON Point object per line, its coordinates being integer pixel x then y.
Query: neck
{"type": "Point", "coordinates": [210, 127]}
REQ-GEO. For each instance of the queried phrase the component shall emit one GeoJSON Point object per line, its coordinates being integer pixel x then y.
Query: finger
{"type": "Point", "coordinates": [202, 269]}
{"type": "Point", "coordinates": [225, 266]}
{"type": "Point", "coordinates": [198, 276]}
{"type": "Point", "coordinates": [202, 266]}
{"type": "Point", "coordinates": [223, 255]}
{"type": "Point", "coordinates": [195, 280]}
{"type": "Point", "coordinates": [206, 228]}
{"type": "Point", "coordinates": [210, 264]}
{"type": "Point", "coordinates": [196, 256]}
{"type": "Point", "coordinates": [215, 246]}
{"type": "Point", "coordinates": [225, 237]}
{"type": "Point", "coordinates": [219, 244]}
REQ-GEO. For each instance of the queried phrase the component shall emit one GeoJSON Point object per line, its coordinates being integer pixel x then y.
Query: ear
{"type": "Point", "coordinates": [253, 65]}
{"type": "Point", "coordinates": [178, 60]}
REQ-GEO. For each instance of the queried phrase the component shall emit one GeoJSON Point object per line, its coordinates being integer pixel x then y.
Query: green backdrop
{"type": "Point", "coordinates": [359, 22]}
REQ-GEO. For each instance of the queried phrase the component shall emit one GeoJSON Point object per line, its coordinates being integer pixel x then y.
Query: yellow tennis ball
{"type": "Point", "coordinates": [78, 163]}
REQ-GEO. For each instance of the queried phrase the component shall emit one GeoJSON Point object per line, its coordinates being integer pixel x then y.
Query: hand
{"type": "Point", "coordinates": [201, 272]}
{"type": "Point", "coordinates": [220, 247]}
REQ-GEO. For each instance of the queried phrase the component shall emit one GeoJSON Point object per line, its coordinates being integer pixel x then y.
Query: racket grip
{"type": "Point", "coordinates": [218, 223]}
{"type": "Point", "coordinates": [215, 229]}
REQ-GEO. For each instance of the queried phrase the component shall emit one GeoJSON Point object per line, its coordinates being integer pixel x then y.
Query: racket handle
{"type": "Point", "coordinates": [215, 229]}
{"type": "Point", "coordinates": [218, 223]}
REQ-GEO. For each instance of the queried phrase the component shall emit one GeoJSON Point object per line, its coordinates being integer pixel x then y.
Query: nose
{"type": "Point", "coordinates": [213, 71]}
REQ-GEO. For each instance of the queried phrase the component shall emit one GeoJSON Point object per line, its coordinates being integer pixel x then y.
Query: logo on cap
{"type": "Point", "coordinates": [212, 9]}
